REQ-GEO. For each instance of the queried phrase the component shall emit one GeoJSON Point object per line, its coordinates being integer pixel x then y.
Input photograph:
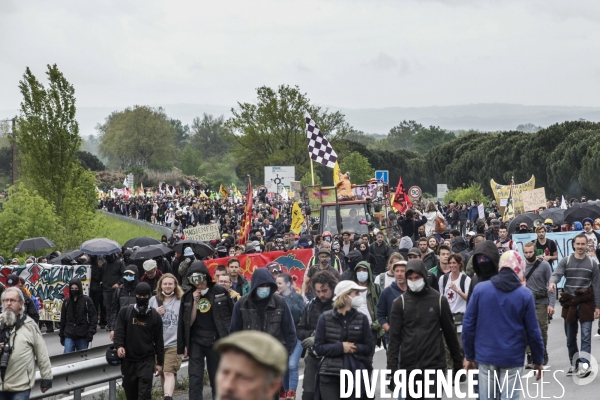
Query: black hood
{"type": "Point", "coordinates": [260, 276]}
{"type": "Point", "coordinates": [418, 266]}
{"type": "Point", "coordinates": [459, 244]}
{"type": "Point", "coordinates": [488, 249]}
{"type": "Point", "coordinates": [136, 280]}
{"type": "Point", "coordinates": [506, 280]}
{"type": "Point", "coordinates": [76, 281]}
{"type": "Point", "coordinates": [199, 267]}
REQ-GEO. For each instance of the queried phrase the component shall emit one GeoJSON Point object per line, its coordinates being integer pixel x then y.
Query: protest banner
{"type": "Point", "coordinates": [502, 192]}
{"type": "Point", "coordinates": [297, 219]}
{"type": "Point", "coordinates": [294, 262]}
{"type": "Point", "coordinates": [534, 199]}
{"type": "Point", "coordinates": [49, 284]}
{"type": "Point", "coordinates": [203, 233]}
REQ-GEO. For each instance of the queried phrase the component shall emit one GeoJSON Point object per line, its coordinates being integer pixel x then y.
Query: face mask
{"type": "Point", "coordinates": [362, 276]}
{"type": "Point", "coordinates": [351, 265]}
{"type": "Point", "coordinates": [74, 292]}
{"type": "Point", "coordinates": [263, 292]}
{"type": "Point", "coordinates": [129, 278]}
{"type": "Point", "coordinates": [142, 304]}
{"type": "Point", "coordinates": [168, 295]}
{"type": "Point", "coordinates": [356, 302]}
{"type": "Point", "coordinates": [204, 291]}
{"type": "Point", "coordinates": [532, 259]}
{"type": "Point", "coordinates": [416, 286]}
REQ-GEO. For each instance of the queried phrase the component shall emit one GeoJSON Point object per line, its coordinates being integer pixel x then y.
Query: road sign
{"type": "Point", "coordinates": [414, 192]}
{"type": "Point", "coordinates": [442, 189]}
{"type": "Point", "coordinates": [383, 176]}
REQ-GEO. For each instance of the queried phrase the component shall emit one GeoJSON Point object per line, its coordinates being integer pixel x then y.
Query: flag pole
{"type": "Point", "coordinates": [312, 172]}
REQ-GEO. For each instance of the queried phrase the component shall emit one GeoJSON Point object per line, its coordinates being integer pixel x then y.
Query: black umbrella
{"type": "Point", "coordinates": [100, 247]}
{"type": "Point", "coordinates": [579, 211]}
{"type": "Point", "coordinates": [528, 218]}
{"type": "Point", "coordinates": [67, 257]}
{"type": "Point", "coordinates": [152, 251]}
{"type": "Point", "coordinates": [200, 249]}
{"type": "Point", "coordinates": [141, 242]}
{"type": "Point", "coordinates": [34, 244]}
{"type": "Point", "coordinates": [557, 215]}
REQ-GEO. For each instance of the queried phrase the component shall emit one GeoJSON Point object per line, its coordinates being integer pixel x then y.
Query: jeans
{"type": "Point", "coordinates": [72, 345]}
{"type": "Point", "coordinates": [290, 379]}
{"type": "Point", "coordinates": [24, 395]}
{"type": "Point", "coordinates": [496, 383]}
{"type": "Point", "coordinates": [586, 338]}
{"type": "Point", "coordinates": [197, 353]}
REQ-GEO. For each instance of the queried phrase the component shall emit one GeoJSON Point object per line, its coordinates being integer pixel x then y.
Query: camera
{"type": "Point", "coordinates": [6, 349]}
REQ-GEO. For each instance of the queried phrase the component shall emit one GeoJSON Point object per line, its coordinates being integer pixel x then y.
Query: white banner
{"type": "Point", "coordinates": [203, 233]}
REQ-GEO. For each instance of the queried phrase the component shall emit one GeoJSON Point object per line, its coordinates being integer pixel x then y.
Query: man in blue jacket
{"type": "Point", "coordinates": [263, 310]}
{"type": "Point", "coordinates": [497, 306]}
{"type": "Point", "coordinates": [474, 212]}
{"type": "Point", "coordinates": [391, 293]}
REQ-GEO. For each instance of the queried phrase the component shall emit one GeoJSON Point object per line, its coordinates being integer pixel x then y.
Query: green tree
{"type": "Point", "coordinates": [211, 136]}
{"type": "Point", "coordinates": [431, 137]}
{"type": "Point", "coordinates": [190, 160]}
{"type": "Point", "coordinates": [47, 135]}
{"type": "Point", "coordinates": [361, 137]}
{"type": "Point", "coordinates": [90, 161]}
{"type": "Point", "coordinates": [467, 193]}
{"type": "Point", "coordinates": [182, 133]}
{"type": "Point", "coordinates": [221, 171]}
{"type": "Point", "coordinates": [307, 179]}
{"type": "Point", "coordinates": [402, 135]}
{"type": "Point", "coordinates": [272, 131]}
{"type": "Point", "coordinates": [590, 168]}
{"type": "Point", "coordinates": [359, 167]}
{"type": "Point", "coordinates": [26, 214]}
{"type": "Point", "coordinates": [140, 136]}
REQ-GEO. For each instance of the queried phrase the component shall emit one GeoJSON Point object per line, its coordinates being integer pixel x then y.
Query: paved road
{"type": "Point", "coordinates": [556, 384]}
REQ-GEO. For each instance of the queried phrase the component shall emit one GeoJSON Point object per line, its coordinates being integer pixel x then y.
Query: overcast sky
{"type": "Point", "coordinates": [346, 53]}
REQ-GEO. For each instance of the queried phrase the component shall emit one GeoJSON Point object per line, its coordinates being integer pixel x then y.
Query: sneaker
{"type": "Point", "coordinates": [584, 372]}
{"type": "Point", "coordinates": [529, 363]}
{"type": "Point", "coordinates": [546, 358]}
{"type": "Point", "coordinates": [290, 395]}
{"type": "Point", "coordinates": [572, 371]}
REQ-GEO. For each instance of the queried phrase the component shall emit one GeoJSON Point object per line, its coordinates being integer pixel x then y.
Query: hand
{"type": "Point", "coordinates": [386, 327]}
{"type": "Point", "coordinates": [197, 295]}
{"type": "Point", "coordinates": [112, 336]}
{"type": "Point", "coordinates": [308, 342]}
{"type": "Point", "coordinates": [467, 365]}
{"type": "Point", "coordinates": [453, 287]}
{"type": "Point", "coordinates": [546, 258]}
{"type": "Point", "coordinates": [157, 370]}
{"type": "Point", "coordinates": [550, 310]}
{"type": "Point", "coordinates": [161, 310]}
{"type": "Point", "coordinates": [499, 245]}
{"type": "Point", "coordinates": [551, 287]}
{"type": "Point", "coordinates": [597, 313]}
{"type": "Point", "coordinates": [62, 341]}
{"type": "Point", "coordinates": [90, 337]}
{"type": "Point", "coordinates": [185, 354]}
{"type": "Point", "coordinates": [349, 347]}
{"type": "Point", "coordinates": [121, 352]}
{"type": "Point", "coordinates": [115, 286]}
{"type": "Point", "coordinates": [538, 368]}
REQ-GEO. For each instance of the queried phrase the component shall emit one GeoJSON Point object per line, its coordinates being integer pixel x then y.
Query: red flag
{"type": "Point", "coordinates": [247, 217]}
{"type": "Point", "coordinates": [401, 200]}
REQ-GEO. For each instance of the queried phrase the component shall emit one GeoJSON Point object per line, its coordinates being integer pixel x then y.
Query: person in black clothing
{"type": "Point", "coordinates": [323, 284]}
{"type": "Point", "coordinates": [419, 322]}
{"type": "Point", "coordinates": [123, 296]}
{"type": "Point", "coordinates": [380, 251]}
{"type": "Point", "coordinates": [139, 343]}
{"type": "Point", "coordinates": [78, 319]}
{"type": "Point", "coordinates": [205, 316]}
{"type": "Point", "coordinates": [96, 290]}
{"type": "Point", "coordinates": [112, 275]}
{"type": "Point", "coordinates": [411, 223]}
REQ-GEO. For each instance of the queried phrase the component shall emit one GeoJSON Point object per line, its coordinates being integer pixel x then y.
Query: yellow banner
{"type": "Point", "coordinates": [297, 219]}
{"type": "Point", "coordinates": [336, 173]}
{"type": "Point", "coordinates": [223, 192]}
{"type": "Point", "coordinates": [502, 193]}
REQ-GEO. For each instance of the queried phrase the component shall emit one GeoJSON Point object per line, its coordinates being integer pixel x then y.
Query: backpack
{"type": "Point", "coordinates": [463, 278]}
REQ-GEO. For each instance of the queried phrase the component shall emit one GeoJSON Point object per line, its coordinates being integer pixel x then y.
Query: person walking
{"type": "Point", "coordinates": [78, 319]}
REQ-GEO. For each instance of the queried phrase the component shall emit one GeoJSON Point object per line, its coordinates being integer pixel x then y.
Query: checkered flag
{"type": "Point", "coordinates": [319, 148]}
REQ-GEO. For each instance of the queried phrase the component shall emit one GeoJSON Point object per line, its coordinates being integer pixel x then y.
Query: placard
{"type": "Point", "coordinates": [203, 233]}
{"type": "Point", "coordinates": [534, 199]}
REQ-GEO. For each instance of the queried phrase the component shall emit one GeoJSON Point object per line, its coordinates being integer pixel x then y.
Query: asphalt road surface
{"type": "Point", "coordinates": [556, 383]}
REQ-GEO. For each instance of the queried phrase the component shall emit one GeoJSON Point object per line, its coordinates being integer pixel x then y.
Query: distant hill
{"type": "Point", "coordinates": [484, 117]}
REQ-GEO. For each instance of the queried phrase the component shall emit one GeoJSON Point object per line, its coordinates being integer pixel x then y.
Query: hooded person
{"type": "Point", "coordinates": [184, 265]}
{"type": "Point", "coordinates": [420, 320]}
{"type": "Point", "coordinates": [405, 245]}
{"type": "Point", "coordinates": [499, 305]}
{"type": "Point", "coordinates": [350, 259]}
{"type": "Point", "coordinates": [123, 296]}
{"type": "Point", "coordinates": [263, 310]}
{"type": "Point", "coordinates": [204, 317]}
{"type": "Point", "coordinates": [363, 276]}
{"type": "Point", "coordinates": [460, 246]}
{"type": "Point", "coordinates": [78, 319]}
{"type": "Point", "coordinates": [485, 259]}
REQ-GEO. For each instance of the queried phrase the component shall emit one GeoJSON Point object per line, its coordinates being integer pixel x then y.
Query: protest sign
{"type": "Point", "coordinates": [502, 192]}
{"type": "Point", "coordinates": [294, 262]}
{"type": "Point", "coordinates": [49, 284]}
{"type": "Point", "coordinates": [534, 199]}
{"type": "Point", "coordinates": [203, 233]}
{"type": "Point", "coordinates": [481, 211]}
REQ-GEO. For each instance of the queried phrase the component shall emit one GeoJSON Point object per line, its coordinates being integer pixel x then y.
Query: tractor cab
{"type": "Point", "coordinates": [351, 216]}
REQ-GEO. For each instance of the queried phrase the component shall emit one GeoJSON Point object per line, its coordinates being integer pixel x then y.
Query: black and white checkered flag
{"type": "Point", "coordinates": [319, 148]}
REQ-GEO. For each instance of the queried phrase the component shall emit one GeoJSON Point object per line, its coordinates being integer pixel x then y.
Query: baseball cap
{"type": "Point", "coordinates": [495, 222]}
{"type": "Point", "coordinates": [261, 347]}
{"type": "Point", "coordinates": [415, 251]}
{"type": "Point", "coordinates": [12, 280]}
{"type": "Point", "coordinates": [548, 221]}
{"type": "Point", "coordinates": [324, 251]}
{"type": "Point", "coordinates": [149, 265]}
{"type": "Point", "coordinates": [345, 286]}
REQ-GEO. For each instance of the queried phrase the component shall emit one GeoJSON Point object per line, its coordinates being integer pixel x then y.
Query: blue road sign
{"type": "Point", "coordinates": [383, 176]}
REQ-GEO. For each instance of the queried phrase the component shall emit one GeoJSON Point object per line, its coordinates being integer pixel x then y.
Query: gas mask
{"type": "Point", "coordinates": [197, 278]}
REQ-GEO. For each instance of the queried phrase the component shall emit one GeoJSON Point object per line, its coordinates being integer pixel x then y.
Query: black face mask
{"type": "Point", "coordinates": [74, 293]}
{"type": "Point", "coordinates": [142, 305]}
{"type": "Point", "coordinates": [531, 259]}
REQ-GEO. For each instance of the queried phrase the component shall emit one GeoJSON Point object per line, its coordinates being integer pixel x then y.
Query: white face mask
{"type": "Point", "coordinates": [169, 294]}
{"type": "Point", "coordinates": [357, 301]}
{"type": "Point", "coordinates": [416, 286]}
{"type": "Point", "coordinates": [204, 291]}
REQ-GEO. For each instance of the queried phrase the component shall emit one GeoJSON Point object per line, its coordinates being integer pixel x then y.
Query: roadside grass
{"type": "Point", "coordinates": [121, 231]}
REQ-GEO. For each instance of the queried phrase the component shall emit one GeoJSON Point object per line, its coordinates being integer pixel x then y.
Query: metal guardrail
{"type": "Point", "coordinates": [78, 370]}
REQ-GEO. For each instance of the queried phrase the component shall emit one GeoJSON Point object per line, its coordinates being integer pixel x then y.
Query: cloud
{"type": "Point", "coordinates": [301, 67]}
{"type": "Point", "coordinates": [382, 62]}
